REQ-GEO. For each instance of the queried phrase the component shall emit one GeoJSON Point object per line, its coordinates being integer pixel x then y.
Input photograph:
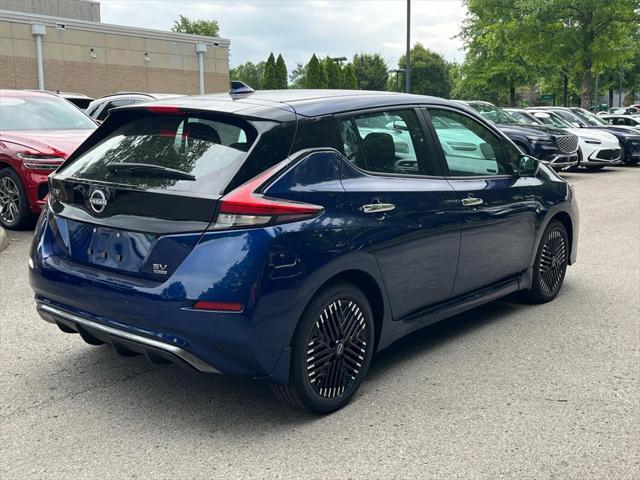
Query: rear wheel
{"type": "Point", "coordinates": [550, 265]}
{"type": "Point", "coordinates": [332, 350]}
{"type": "Point", "coordinates": [14, 206]}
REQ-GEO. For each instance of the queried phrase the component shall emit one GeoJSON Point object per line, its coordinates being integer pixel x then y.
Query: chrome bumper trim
{"type": "Point", "coordinates": [183, 355]}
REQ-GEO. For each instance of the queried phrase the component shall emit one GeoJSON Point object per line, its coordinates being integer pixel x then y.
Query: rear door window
{"type": "Point", "coordinates": [386, 142]}
{"type": "Point", "coordinates": [176, 153]}
{"type": "Point", "coordinates": [470, 149]}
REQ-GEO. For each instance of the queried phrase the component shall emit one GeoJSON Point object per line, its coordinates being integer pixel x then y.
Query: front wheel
{"type": "Point", "coordinates": [331, 351]}
{"type": "Point", "coordinates": [550, 265]}
{"type": "Point", "coordinates": [14, 206]}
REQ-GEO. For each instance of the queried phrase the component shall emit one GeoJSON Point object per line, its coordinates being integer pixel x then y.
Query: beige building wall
{"type": "Point", "coordinates": [78, 9]}
{"type": "Point", "coordinates": [99, 59]}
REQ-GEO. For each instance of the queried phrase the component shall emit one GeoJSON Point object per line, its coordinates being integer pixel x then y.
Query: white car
{"type": "Point", "coordinates": [596, 148]}
{"type": "Point", "coordinates": [632, 121]}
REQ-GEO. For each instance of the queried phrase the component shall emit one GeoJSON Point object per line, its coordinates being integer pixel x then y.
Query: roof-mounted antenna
{"type": "Point", "coordinates": [240, 89]}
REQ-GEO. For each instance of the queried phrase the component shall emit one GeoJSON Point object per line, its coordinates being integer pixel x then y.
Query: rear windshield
{"type": "Point", "coordinates": [177, 153]}
{"type": "Point", "coordinates": [41, 113]}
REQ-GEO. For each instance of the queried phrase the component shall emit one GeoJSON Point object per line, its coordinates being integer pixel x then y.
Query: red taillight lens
{"type": "Point", "coordinates": [168, 109]}
{"type": "Point", "coordinates": [244, 207]}
{"type": "Point", "coordinates": [218, 306]}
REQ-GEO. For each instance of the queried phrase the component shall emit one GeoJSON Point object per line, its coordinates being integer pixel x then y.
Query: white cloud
{"type": "Point", "coordinates": [298, 28]}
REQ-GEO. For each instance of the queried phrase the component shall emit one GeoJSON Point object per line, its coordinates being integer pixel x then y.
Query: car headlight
{"type": "Point", "coordinates": [41, 162]}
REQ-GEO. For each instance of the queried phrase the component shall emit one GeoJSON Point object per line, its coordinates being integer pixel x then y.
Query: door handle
{"type": "Point", "coordinates": [377, 207]}
{"type": "Point", "coordinates": [472, 201]}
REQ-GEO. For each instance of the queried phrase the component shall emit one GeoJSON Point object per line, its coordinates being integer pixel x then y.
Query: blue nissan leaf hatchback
{"type": "Point", "coordinates": [289, 235]}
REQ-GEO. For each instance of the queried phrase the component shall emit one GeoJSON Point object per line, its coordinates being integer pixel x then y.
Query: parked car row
{"type": "Point", "coordinates": [565, 137]}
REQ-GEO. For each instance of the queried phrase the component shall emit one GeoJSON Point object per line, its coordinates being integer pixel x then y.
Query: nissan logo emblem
{"type": "Point", "coordinates": [98, 201]}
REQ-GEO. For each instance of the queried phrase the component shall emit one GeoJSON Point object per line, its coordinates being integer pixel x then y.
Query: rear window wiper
{"type": "Point", "coordinates": [148, 169]}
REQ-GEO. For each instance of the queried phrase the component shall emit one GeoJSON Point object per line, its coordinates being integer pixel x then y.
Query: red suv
{"type": "Point", "coordinates": [38, 131]}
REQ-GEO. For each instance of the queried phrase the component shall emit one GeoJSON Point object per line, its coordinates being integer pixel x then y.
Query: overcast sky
{"type": "Point", "coordinates": [298, 28]}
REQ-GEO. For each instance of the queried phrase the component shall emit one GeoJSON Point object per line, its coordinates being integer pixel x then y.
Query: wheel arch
{"type": "Point", "coordinates": [565, 219]}
{"type": "Point", "coordinates": [370, 287]}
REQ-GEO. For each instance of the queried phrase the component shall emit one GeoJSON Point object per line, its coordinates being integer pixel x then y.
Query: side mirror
{"type": "Point", "coordinates": [577, 125]}
{"type": "Point", "coordinates": [528, 166]}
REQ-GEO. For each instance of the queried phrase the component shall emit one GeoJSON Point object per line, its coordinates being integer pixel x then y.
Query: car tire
{"type": "Point", "coordinates": [550, 265]}
{"type": "Point", "coordinates": [14, 205]}
{"type": "Point", "coordinates": [332, 349]}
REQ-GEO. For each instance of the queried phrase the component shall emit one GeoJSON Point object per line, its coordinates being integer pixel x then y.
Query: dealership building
{"type": "Point", "coordinates": [62, 45]}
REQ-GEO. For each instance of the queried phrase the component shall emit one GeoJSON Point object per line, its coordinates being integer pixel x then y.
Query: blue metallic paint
{"type": "Point", "coordinates": [427, 259]}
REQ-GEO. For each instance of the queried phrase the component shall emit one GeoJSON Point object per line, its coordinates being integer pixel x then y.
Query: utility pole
{"type": "Point", "coordinates": [407, 73]}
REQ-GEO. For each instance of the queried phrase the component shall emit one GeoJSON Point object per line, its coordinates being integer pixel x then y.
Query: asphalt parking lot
{"type": "Point", "coordinates": [504, 391]}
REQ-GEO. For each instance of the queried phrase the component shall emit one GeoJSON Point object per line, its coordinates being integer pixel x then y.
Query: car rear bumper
{"type": "Point", "coordinates": [123, 342]}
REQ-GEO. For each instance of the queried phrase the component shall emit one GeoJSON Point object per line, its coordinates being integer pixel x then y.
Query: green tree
{"type": "Point", "coordinates": [184, 24]}
{"type": "Point", "coordinates": [429, 72]}
{"type": "Point", "coordinates": [496, 62]}
{"type": "Point", "coordinates": [554, 38]}
{"type": "Point", "coordinates": [298, 76]}
{"type": "Point", "coordinates": [281, 73]}
{"type": "Point", "coordinates": [349, 79]}
{"type": "Point", "coordinates": [269, 79]}
{"type": "Point", "coordinates": [249, 73]}
{"type": "Point", "coordinates": [316, 74]}
{"type": "Point", "coordinates": [334, 73]}
{"type": "Point", "coordinates": [371, 71]}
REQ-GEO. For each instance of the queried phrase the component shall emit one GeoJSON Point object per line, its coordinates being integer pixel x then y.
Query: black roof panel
{"type": "Point", "coordinates": [304, 102]}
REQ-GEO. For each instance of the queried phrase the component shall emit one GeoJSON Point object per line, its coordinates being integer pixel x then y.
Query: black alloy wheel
{"type": "Point", "coordinates": [332, 350]}
{"type": "Point", "coordinates": [551, 264]}
{"type": "Point", "coordinates": [14, 208]}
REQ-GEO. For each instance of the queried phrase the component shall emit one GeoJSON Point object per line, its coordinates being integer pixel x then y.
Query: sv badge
{"type": "Point", "coordinates": [160, 269]}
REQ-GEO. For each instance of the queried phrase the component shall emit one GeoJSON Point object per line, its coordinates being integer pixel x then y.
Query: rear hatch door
{"type": "Point", "coordinates": [137, 199]}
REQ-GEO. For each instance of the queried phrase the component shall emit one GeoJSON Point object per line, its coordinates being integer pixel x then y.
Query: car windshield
{"type": "Point", "coordinates": [550, 118]}
{"type": "Point", "coordinates": [41, 113]}
{"type": "Point", "coordinates": [522, 117]}
{"type": "Point", "coordinates": [495, 114]}
{"type": "Point", "coordinates": [178, 153]}
{"type": "Point", "coordinates": [589, 117]}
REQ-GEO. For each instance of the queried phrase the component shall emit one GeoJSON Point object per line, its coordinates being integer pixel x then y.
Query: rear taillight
{"type": "Point", "coordinates": [246, 207]}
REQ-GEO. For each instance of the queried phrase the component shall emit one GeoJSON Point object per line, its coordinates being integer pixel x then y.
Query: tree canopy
{"type": "Point", "coordinates": [269, 79]}
{"type": "Point", "coordinates": [249, 73]}
{"type": "Point", "coordinates": [316, 75]}
{"type": "Point", "coordinates": [184, 24]}
{"type": "Point", "coordinates": [429, 72]}
{"type": "Point", "coordinates": [334, 73]}
{"type": "Point", "coordinates": [520, 41]}
{"type": "Point", "coordinates": [349, 79]}
{"type": "Point", "coordinates": [281, 73]}
{"type": "Point", "coordinates": [371, 71]}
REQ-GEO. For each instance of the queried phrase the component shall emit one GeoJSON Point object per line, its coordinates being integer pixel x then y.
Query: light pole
{"type": "Point", "coordinates": [408, 55]}
{"type": "Point", "coordinates": [621, 84]}
{"type": "Point", "coordinates": [397, 71]}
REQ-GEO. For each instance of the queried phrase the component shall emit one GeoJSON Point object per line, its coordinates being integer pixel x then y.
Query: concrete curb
{"type": "Point", "coordinates": [4, 241]}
